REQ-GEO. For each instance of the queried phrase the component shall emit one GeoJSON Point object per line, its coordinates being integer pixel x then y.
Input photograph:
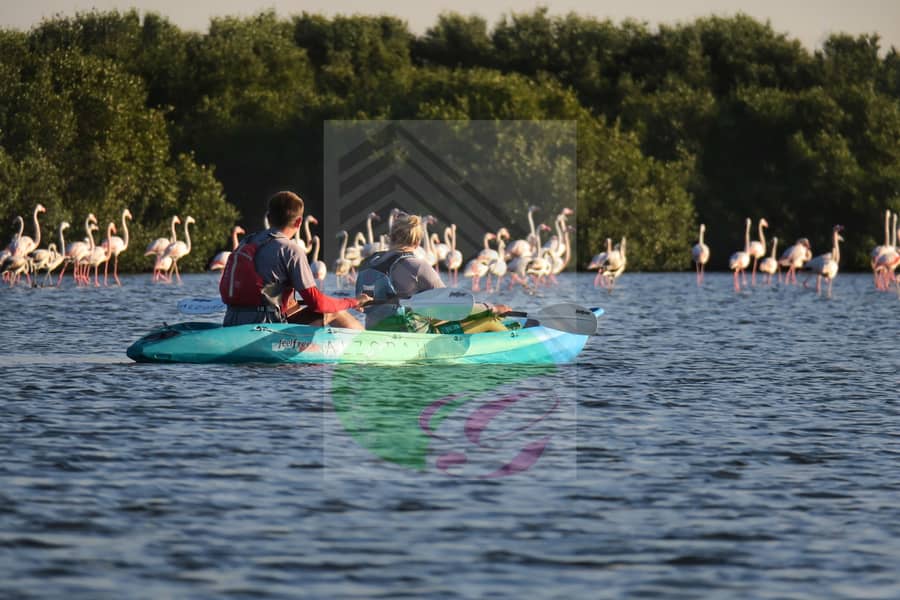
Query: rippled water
{"type": "Point", "coordinates": [707, 443]}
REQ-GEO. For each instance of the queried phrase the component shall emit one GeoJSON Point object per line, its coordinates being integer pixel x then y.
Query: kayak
{"type": "Point", "coordinates": [204, 342]}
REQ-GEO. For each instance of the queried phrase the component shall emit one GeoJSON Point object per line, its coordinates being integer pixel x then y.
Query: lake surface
{"type": "Point", "coordinates": [707, 443]}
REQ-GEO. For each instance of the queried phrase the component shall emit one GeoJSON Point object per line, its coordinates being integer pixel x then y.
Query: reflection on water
{"type": "Point", "coordinates": [720, 444]}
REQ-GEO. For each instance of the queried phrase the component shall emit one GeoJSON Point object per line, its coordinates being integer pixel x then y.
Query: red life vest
{"type": "Point", "coordinates": [241, 284]}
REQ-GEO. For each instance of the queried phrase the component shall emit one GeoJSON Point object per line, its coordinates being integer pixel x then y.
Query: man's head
{"type": "Point", "coordinates": [284, 209]}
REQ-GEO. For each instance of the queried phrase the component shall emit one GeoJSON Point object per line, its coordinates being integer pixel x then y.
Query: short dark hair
{"type": "Point", "coordinates": [284, 209]}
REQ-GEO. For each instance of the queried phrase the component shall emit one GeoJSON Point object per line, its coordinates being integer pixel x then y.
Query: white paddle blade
{"type": "Point", "coordinates": [571, 318]}
{"type": "Point", "coordinates": [442, 304]}
{"type": "Point", "coordinates": [200, 306]}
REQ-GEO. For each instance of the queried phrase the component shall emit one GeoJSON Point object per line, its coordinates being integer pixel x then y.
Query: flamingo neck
{"type": "Point", "coordinates": [125, 231]}
{"type": "Point", "coordinates": [887, 228]}
{"type": "Point", "coordinates": [234, 239]}
{"type": "Point", "coordinates": [174, 234]}
{"type": "Point", "coordinates": [37, 230]}
{"type": "Point", "coordinates": [309, 235]}
{"type": "Point", "coordinates": [21, 226]}
{"type": "Point", "coordinates": [531, 222]}
{"type": "Point", "coordinates": [344, 245]}
{"type": "Point", "coordinates": [62, 240]}
{"type": "Point", "coordinates": [369, 230]}
{"type": "Point", "coordinates": [702, 232]}
{"type": "Point", "coordinates": [187, 236]}
{"type": "Point", "coordinates": [316, 244]}
{"type": "Point", "coordinates": [762, 235]}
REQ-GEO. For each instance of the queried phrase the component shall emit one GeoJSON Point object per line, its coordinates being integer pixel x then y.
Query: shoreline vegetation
{"type": "Point", "coordinates": [714, 121]}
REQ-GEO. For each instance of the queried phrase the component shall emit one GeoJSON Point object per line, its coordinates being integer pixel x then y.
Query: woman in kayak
{"type": "Point", "coordinates": [262, 274]}
{"type": "Point", "coordinates": [399, 273]}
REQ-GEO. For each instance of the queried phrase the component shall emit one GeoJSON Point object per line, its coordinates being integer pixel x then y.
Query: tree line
{"type": "Point", "coordinates": [710, 121]}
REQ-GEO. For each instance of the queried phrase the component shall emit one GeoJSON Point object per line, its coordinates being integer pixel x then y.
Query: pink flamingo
{"type": "Point", "coordinates": [826, 265]}
{"type": "Point", "coordinates": [454, 258]}
{"type": "Point", "coordinates": [219, 260]}
{"type": "Point", "coordinates": [700, 255]}
{"type": "Point", "coordinates": [794, 257]}
{"type": "Point", "coordinates": [158, 247]}
{"type": "Point", "coordinates": [318, 267]}
{"type": "Point", "coordinates": [740, 260]}
{"type": "Point", "coordinates": [758, 249]}
{"type": "Point", "coordinates": [769, 265]}
{"type": "Point", "coordinates": [179, 249]}
{"type": "Point", "coordinates": [116, 246]}
{"type": "Point", "coordinates": [76, 252]}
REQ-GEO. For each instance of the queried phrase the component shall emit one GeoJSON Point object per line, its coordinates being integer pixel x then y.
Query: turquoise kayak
{"type": "Point", "coordinates": [204, 342]}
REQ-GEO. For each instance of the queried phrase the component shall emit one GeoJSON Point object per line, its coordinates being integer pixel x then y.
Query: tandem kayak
{"type": "Point", "coordinates": [204, 342]}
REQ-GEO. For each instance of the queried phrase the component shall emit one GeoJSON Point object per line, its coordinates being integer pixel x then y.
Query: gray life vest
{"type": "Point", "coordinates": [374, 276]}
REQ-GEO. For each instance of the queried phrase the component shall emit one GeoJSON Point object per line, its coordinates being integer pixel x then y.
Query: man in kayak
{"type": "Point", "coordinates": [262, 274]}
{"type": "Point", "coordinates": [399, 273]}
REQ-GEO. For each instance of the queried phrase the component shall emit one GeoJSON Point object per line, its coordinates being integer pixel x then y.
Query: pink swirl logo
{"type": "Point", "coordinates": [494, 430]}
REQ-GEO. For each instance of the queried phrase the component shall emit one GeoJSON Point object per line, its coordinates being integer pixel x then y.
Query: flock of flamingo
{"type": "Point", "coordinates": [528, 261]}
{"type": "Point", "coordinates": [885, 258]}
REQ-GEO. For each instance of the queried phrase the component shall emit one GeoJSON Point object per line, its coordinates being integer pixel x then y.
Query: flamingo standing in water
{"type": "Point", "coordinates": [157, 248]}
{"type": "Point", "coordinates": [769, 265]}
{"type": "Point", "coordinates": [342, 265]}
{"type": "Point", "coordinates": [757, 249]}
{"type": "Point", "coordinates": [219, 260]}
{"type": "Point", "coordinates": [454, 258]}
{"type": "Point", "coordinates": [497, 267]}
{"type": "Point", "coordinates": [826, 265]}
{"type": "Point", "coordinates": [523, 247]}
{"type": "Point", "coordinates": [700, 255]}
{"type": "Point", "coordinates": [740, 260]}
{"type": "Point", "coordinates": [99, 254]}
{"type": "Point", "coordinates": [887, 262]}
{"type": "Point", "coordinates": [24, 245]}
{"type": "Point", "coordinates": [317, 266]}
{"type": "Point", "coordinates": [793, 258]}
{"type": "Point", "coordinates": [117, 246]}
{"type": "Point", "coordinates": [305, 244]}
{"type": "Point", "coordinates": [371, 246]}
{"type": "Point", "coordinates": [615, 264]}
{"type": "Point", "coordinates": [75, 253]}
{"type": "Point", "coordinates": [179, 249]}
{"type": "Point", "coordinates": [598, 262]}
{"type": "Point", "coordinates": [886, 247]}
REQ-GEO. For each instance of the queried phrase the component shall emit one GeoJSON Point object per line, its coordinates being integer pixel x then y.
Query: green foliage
{"type": "Point", "coordinates": [715, 120]}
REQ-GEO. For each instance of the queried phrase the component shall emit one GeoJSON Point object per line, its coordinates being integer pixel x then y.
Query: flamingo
{"type": "Point", "coordinates": [99, 254]}
{"type": "Point", "coordinates": [740, 260]}
{"type": "Point", "coordinates": [476, 269]}
{"type": "Point", "coordinates": [561, 262]}
{"type": "Point", "coordinates": [769, 265]}
{"type": "Point", "coordinates": [318, 267]}
{"type": "Point", "coordinates": [441, 248]}
{"type": "Point", "coordinates": [15, 238]}
{"type": "Point", "coordinates": [879, 250]}
{"type": "Point", "coordinates": [523, 247]}
{"type": "Point", "coordinates": [757, 249]}
{"type": "Point", "coordinates": [219, 260]}
{"type": "Point", "coordinates": [7, 252]}
{"type": "Point", "coordinates": [700, 255]}
{"type": "Point", "coordinates": [158, 246]}
{"type": "Point", "coordinates": [305, 245]}
{"type": "Point", "coordinates": [826, 265]}
{"type": "Point", "coordinates": [794, 257]}
{"type": "Point", "coordinates": [24, 245]}
{"type": "Point", "coordinates": [179, 249]}
{"type": "Point", "coordinates": [498, 267]}
{"type": "Point", "coordinates": [370, 247]}
{"type": "Point", "coordinates": [615, 264]}
{"type": "Point", "coordinates": [117, 246]}
{"type": "Point", "coordinates": [887, 262]}
{"type": "Point", "coordinates": [342, 265]}
{"type": "Point", "coordinates": [454, 258]}
{"type": "Point", "coordinates": [75, 253]}
{"type": "Point", "coordinates": [598, 261]}
{"type": "Point", "coordinates": [14, 266]}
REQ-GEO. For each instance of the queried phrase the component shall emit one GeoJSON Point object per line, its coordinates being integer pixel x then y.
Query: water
{"type": "Point", "coordinates": [719, 445]}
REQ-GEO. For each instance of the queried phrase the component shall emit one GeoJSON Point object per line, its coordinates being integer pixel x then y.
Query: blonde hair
{"type": "Point", "coordinates": [406, 231]}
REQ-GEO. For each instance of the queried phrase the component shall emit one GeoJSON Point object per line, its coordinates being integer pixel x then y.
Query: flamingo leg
{"type": "Point", "coordinates": [753, 277]}
{"type": "Point", "coordinates": [116, 270]}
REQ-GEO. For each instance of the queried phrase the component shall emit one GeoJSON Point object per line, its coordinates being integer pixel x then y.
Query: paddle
{"type": "Point", "coordinates": [442, 304]}
{"type": "Point", "coordinates": [567, 317]}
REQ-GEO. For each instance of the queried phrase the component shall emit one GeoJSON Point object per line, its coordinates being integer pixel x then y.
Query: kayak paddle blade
{"type": "Point", "coordinates": [442, 304]}
{"type": "Point", "coordinates": [571, 318]}
{"type": "Point", "coordinates": [200, 306]}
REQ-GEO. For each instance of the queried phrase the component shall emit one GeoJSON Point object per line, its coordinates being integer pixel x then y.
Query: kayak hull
{"type": "Point", "coordinates": [287, 343]}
